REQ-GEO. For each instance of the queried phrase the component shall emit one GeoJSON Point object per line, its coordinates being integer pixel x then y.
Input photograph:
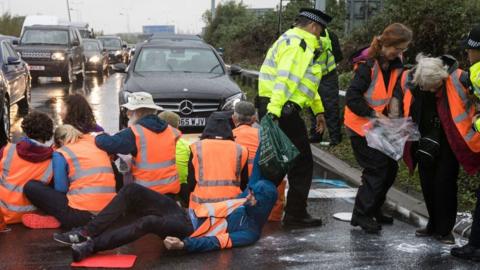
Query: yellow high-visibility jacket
{"type": "Point", "coordinates": [291, 72]}
{"type": "Point", "coordinates": [327, 59]}
{"type": "Point", "coordinates": [475, 78]}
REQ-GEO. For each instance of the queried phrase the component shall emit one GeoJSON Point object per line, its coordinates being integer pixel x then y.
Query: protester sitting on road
{"type": "Point", "coordinates": [471, 250]}
{"type": "Point", "coordinates": [30, 158]}
{"type": "Point", "coordinates": [217, 168]}
{"type": "Point", "coordinates": [182, 153]}
{"type": "Point", "coordinates": [232, 223]}
{"type": "Point", "coordinates": [83, 180]}
{"type": "Point", "coordinates": [434, 92]}
{"type": "Point", "coordinates": [150, 141]}
{"type": "Point", "coordinates": [76, 111]}
{"type": "Point", "coordinates": [368, 97]}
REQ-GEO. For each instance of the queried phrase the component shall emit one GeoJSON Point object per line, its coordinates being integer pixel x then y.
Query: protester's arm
{"type": "Point", "coordinates": [244, 177]}
{"type": "Point", "coordinates": [121, 143]}
{"type": "Point", "coordinates": [60, 173]}
{"type": "Point", "coordinates": [354, 99]}
{"type": "Point", "coordinates": [209, 243]}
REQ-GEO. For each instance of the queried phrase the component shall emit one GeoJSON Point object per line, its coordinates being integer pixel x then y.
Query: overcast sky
{"type": "Point", "coordinates": [115, 16]}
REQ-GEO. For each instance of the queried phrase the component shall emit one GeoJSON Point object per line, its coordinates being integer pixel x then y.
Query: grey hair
{"type": "Point", "coordinates": [429, 71]}
{"type": "Point", "coordinates": [244, 111]}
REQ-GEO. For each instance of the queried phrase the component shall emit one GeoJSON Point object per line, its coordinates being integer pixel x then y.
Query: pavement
{"type": "Point", "coordinates": [336, 245]}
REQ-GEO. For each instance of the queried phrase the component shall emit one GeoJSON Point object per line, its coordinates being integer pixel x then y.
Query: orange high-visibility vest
{"type": "Point", "coordinates": [249, 137]}
{"type": "Point", "coordinates": [92, 182]}
{"type": "Point", "coordinates": [377, 97]}
{"type": "Point", "coordinates": [154, 166]}
{"type": "Point", "coordinates": [461, 108]}
{"type": "Point", "coordinates": [16, 172]}
{"type": "Point", "coordinates": [218, 165]}
{"type": "Point", "coordinates": [216, 220]}
{"type": "Point", "coordinates": [407, 92]}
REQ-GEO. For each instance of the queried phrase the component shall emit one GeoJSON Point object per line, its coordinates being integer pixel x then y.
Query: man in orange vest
{"type": "Point", "coordinates": [28, 159]}
{"type": "Point", "coordinates": [218, 168]}
{"type": "Point", "coordinates": [213, 226]}
{"type": "Point", "coordinates": [150, 141]}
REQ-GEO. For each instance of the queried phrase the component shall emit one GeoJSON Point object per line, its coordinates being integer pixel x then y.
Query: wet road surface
{"type": "Point", "coordinates": [336, 245]}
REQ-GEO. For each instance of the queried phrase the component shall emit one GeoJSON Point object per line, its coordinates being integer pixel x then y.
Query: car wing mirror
{"type": "Point", "coordinates": [12, 60]}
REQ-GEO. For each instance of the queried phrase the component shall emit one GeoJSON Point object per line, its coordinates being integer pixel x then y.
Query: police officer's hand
{"type": "Point", "coordinates": [173, 243]}
{"type": "Point", "coordinates": [321, 123]}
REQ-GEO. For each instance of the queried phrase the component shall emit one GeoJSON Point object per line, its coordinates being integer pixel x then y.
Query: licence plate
{"type": "Point", "coordinates": [37, 67]}
{"type": "Point", "coordinates": [192, 122]}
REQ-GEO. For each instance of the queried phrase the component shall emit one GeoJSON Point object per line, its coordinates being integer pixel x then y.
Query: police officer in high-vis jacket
{"type": "Point", "coordinates": [288, 82]}
{"type": "Point", "coordinates": [471, 250]}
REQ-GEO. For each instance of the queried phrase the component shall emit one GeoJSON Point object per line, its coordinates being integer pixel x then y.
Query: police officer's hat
{"type": "Point", "coordinates": [315, 15]}
{"type": "Point", "coordinates": [473, 39]}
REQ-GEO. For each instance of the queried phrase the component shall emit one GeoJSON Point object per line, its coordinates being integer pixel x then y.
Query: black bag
{"type": "Point", "coordinates": [277, 152]}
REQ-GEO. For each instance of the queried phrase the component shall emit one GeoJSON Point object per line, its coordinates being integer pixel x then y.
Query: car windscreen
{"type": "Point", "coordinates": [91, 46]}
{"type": "Point", "coordinates": [188, 60]}
{"type": "Point", "coordinates": [44, 36]}
{"type": "Point", "coordinates": [111, 43]}
{"type": "Point", "coordinates": [84, 33]}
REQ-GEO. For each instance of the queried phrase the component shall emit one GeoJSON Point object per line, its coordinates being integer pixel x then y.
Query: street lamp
{"type": "Point", "coordinates": [68, 10]}
{"type": "Point", "coordinates": [127, 17]}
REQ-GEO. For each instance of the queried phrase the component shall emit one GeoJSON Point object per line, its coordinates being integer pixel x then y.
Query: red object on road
{"type": "Point", "coordinates": [107, 261]}
{"type": "Point", "coordinates": [36, 221]}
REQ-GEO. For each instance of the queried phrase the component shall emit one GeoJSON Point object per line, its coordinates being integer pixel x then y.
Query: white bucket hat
{"type": "Point", "coordinates": [139, 100]}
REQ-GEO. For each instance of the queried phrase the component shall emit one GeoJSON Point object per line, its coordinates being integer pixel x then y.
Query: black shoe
{"type": "Point", "coordinates": [448, 239]}
{"type": "Point", "coordinates": [82, 250]}
{"type": "Point", "coordinates": [423, 232]}
{"type": "Point", "coordinates": [368, 224]}
{"type": "Point", "coordinates": [383, 219]}
{"type": "Point", "coordinates": [315, 139]}
{"type": "Point", "coordinates": [467, 252]}
{"type": "Point", "coordinates": [74, 236]}
{"type": "Point", "coordinates": [306, 221]}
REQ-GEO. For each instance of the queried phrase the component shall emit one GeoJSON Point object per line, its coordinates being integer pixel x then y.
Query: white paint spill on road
{"type": "Point", "coordinates": [409, 248]}
{"type": "Point", "coordinates": [332, 193]}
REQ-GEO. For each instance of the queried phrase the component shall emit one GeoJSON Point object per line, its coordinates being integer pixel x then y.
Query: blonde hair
{"type": "Point", "coordinates": [66, 134]}
{"type": "Point", "coordinates": [171, 118]}
{"type": "Point", "coordinates": [429, 71]}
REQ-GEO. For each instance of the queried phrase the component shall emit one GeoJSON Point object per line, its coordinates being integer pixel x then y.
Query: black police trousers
{"type": "Point", "coordinates": [378, 175]}
{"type": "Point", "coordinates": [300, 175]}
{"type": "Point", "coordinates": [328, 91]}
{"type": "Point", "coordinates": [134, 212]}
{"type": "Point", "coordinates": [439, 187]}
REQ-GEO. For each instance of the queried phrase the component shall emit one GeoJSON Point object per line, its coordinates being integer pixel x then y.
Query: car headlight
{"type": "Point", "coordinates": [94, 59]}
{"type": "Point", "coordinates": [117, 53]}
{"type": "Point", "coordinates": [58, 56]}
{"type": "Point", "coordinates": [230, 102]}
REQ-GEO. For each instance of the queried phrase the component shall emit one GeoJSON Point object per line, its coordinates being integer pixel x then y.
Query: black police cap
{"type": "Point", "coordinates": [473, 39]}
{"type": "Point", "coordinates": [315, 15]}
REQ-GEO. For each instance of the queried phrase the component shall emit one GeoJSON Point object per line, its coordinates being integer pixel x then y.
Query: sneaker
{"type": "Point", "coordinates": [36, 221]}
{"type": "Point", "coordinates": [383, 219]}
{"type": "Point", "coordinates": [368, 224]}
{"type": "Point", "coordinates": [74, 236]}
{"type": "Point", "coordinates": [423, 232]}
{"type": "Point", "coordinates": [82, 250]}
{"type": "Point", "coordinates": [305, 221]}
{"type": "Point", "coordinates": [467, 252]}
{"type": "Point", "coordinates": [448, 239]}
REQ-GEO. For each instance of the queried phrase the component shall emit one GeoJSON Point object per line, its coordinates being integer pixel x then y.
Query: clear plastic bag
{"type": "Point", "coordinates": [389, 135]}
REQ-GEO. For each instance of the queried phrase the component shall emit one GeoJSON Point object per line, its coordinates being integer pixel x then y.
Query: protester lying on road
{"type": "Point", "coordinates": [214, 226]}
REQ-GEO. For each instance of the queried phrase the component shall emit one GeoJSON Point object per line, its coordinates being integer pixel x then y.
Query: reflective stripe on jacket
{"type": "Point", "coordinates": [92, 182]}
{"type": "Point", "coordinates": [216, 220]}
{"type": "Point", "coordinates": [154, 166]}
{"type": "Point", "coordinates": [248, 137]}
{"type": "Point", "coordinates": [377, 97]}
{"type": "Point", "coordinates": [290, 72]}
{"type": "Point", "coordinates": [16, 172]}
{"type": "Point", "coordinates": [218, 165]}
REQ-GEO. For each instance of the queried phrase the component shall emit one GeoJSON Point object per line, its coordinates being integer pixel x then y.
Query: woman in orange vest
{"type": "Point", "coordinates": [218, 169]}
{"type": "Point", "coordinates": [83, 180]}
{"type": "Point", "coordinates": [436, 96]}
{"type": "Point", "coordinates": [368, 97]}
{"type": "Point", "coordinates": [28, 159]}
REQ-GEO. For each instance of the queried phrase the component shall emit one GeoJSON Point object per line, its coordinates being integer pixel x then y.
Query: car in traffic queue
{"type": "Point", "coordinates": [53, 50]}
{"type": "Point", "coordinates": [175, 37]}
{"type": "Point", "coordinates": [117, 49]}
{"type": "Point", "coordinates": [186, 77]}
{"type": "Point", "coordinates": [96, 55]}
{"type": "Point", "coordinates": [15, 82]}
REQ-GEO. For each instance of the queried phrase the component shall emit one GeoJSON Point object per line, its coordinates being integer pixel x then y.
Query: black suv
{"type": "Point", "coordinates": [117, 49]}
{"type": "Point", "coordinates": [53, 50]}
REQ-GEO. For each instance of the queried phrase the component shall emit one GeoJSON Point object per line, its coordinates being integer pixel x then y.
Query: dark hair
{"type": "Point", "coordinates": [394, 34]}
{"type": "Point", "coordinates": [38, 126]}
{"type": "Point", "coordinates": [79, 113]}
